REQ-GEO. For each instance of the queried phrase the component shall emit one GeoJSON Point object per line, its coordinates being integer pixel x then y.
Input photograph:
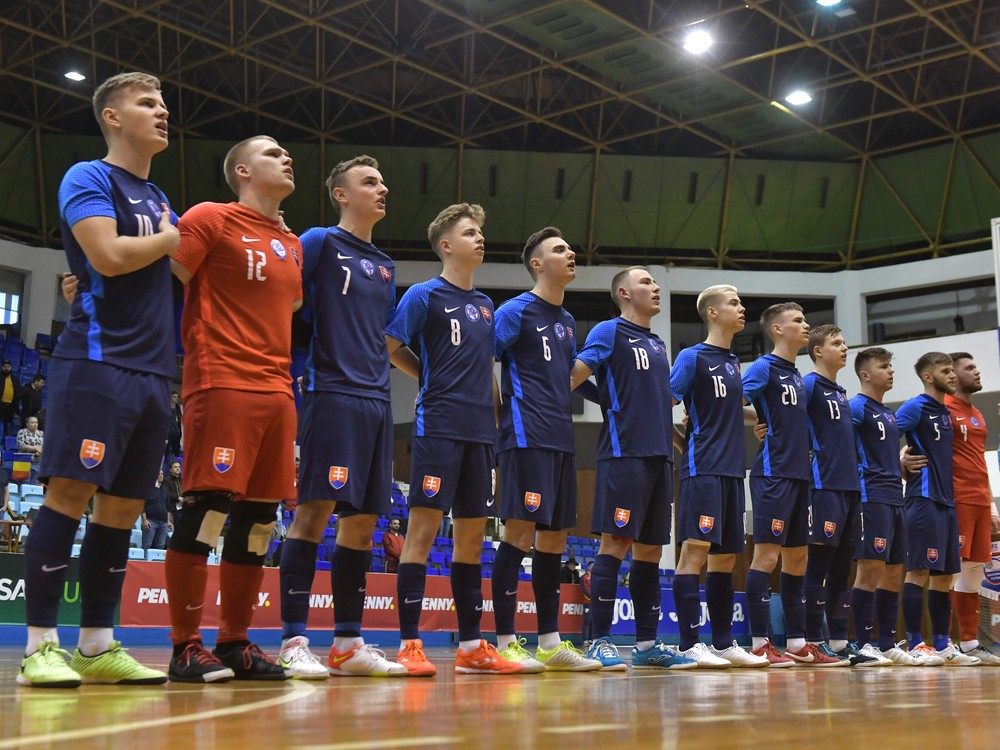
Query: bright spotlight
{"type": "Point", "coordinates": [75, 76]}
{"type": "Point", "coordinates": [798, 98]}
{"type": "Point", "coordinates": [698, 41]}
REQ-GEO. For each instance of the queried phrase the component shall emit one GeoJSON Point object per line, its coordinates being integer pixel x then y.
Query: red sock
{"type": "Point", "coordinates": [186, 578]}
{"type": "Point", "coordinates": [966, 608]}
{"type": "Point", "coordinates": [239, 586]}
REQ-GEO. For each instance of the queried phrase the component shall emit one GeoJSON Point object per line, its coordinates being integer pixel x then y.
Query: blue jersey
{"type": "Point", "coordinates": [834, 460]}
{"type": "Point", "coordinates": [351, 289]}
{"type": "Point", "coordinates": [926, 423]}
{"type": "Point", "coordinates": [453, 329]}
{"type": "Point", "coordinates": [876, 438]}
{"type": "Point", "coordinates": [707, 378]}
{"type": "Point", "coordinates": [633, 374]}
{"type": "Point", "coordinates": [126, 320]}
{"type": "Point", "coordinates": [535, 344]}
{"type": "Point", "coordinates": [776, 390]}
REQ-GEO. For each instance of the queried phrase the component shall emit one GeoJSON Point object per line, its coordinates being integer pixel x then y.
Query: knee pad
{"type": "Point", "coordinates": [250, 527]}
{"type": "Point", "coordinates": [968, 581]}
{"type": "Point", "coordinates": [199, 521]}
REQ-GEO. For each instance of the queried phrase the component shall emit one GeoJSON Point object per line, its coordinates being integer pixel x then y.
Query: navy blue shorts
{"type": "Point", "coordinates": [780, 511]}
{"type": "Point", "coordinates": [453, 475]}
{"type": "Point", "coordinates": [931, 537]}
{"type": "Point", "coordinates": [711, 509]}
{"type": "Point", "coordinates": [539, 486]}
{"type": "Point", "coordinates": [883, 534]}
{"type": "Point", "coordinates": [346, 452]}
{"type": "Point", "coordinates": [105, 426]}
{"type": "Point", "coordinates": [835, 518]}
{"type": "Point", "coordinates": [632, 499]}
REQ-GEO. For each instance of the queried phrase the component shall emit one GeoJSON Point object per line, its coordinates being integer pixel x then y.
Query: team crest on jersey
{"type": "Point", "coordinates": [472, 312]}
{"type": "Point", "coordinates": [91, 453]}
{"type": "Point", "coordinates": [655, 346]}
{"type": "Point", "coordinates": [338, 476]}
{"type": "Point", "coordinates": [733, 370]}
{"type": "Point", "coordinates": [432, 485]}
{"type": "Point", "coordinates": [880, 544]}
{"type": "Point", "coordinates": [386, 274]}
{"type": "Point", "coordinates": [155, 207]}
{"type": "Point", "coordinates": [975, 422]}
{"type": "Point", "coordinates": [797, 380]}
{"type": "Point", "coordinates": [777, 526]}
{"type": "Point", "coordinates": [560, 330]}
{"type": "Point", "coordinates": [890, 417]}
{"type": "Point", "coordinates": [706, 524]}
{"type": "Point", "coordinates": [223, 459]}
{"type": "Point", "coordinates": [829, 528]}
{"type": "Point", "coordinates": [569, 330]}
{"type": "Point", "coordinates": [932, 554]}
{"type": "Point", "coordinates": [368, 267]}
{"type": "Point", "coordinates": [961, 541]}
{"type": "Point", "coordinates": [279, 249]}
{"type": "Point", "coordinates": [621, 517]}
{"type": "Point", "coordinates": [487, 315]}
{"type": "Point", "coordinates": [532, 500]}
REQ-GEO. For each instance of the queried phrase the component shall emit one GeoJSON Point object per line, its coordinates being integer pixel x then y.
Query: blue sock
{"type": "Point", "coordinates": [687, 602]}
{"type": "Point", "coordinates": [298, 568]}
{"type": "Point", "coordinates": [46, 559]}
{"type": "Point", "coordinates": [913, 613]}
{"type": "Point", "coordinates": [644, 586]}
{"type": "Point", "coordinates": [838, 594]}
{"type": "Point", "coordinates": [348, 571]}
{"type": "Point", "coordinates": [411, 581]}
{"type": "Point", "coordinates": [758, 588]}
{"type": "Point", "coordinates": [467, 589]}
{"type": "Point", "coordinates": [719, 598]}
{"type": "Point", "coordinates": [506, 567]}
{"type": "Point", "coordinates": [886, 615]}
{"type": "Point", "coordinates": [817, 570]}
{"type": "Point", "coordinates": [862, 606]}
{"type": "Point", "coordinates": [939, 608]}
{"type": "Point", "coordinates": [103, 559]}
{"type": "Point", "coordinates": [793, 601]}
{"type": "Point", "coordinates": [545, 569]}
{"type": "Point", "coordinates": [603, 588]}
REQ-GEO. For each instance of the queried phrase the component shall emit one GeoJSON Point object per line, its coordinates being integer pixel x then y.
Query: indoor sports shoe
{"type": "Point", "coordinates": [299, 662]}
{"type": "Point", "coordinates": [604, 651]}
{"type": "Point", "coordinates": [248, 662]}
{"type": "Point", "coordinates": [740, 657]}
{"type": "Point", "coordinates": [413, 658]}
{"type": "Point", "coordinates": [869, 650]}
{"type": "Point", "coordinates": [817, 655]}
{"type": "Point", "coordinates": [898, 657]}
{"type": "Point", "coordinates": [774, 657]}
{"type": "Point", "coordinates": [485, 660]}
{"type": "Point", "coordinates": [566, 658]}
{"type": "Point", "coordinates": [987, 657]}
{"type": "Point", "coordinates": [114, 667]}
{"type": "Point", "coordinates": [47, 668]}
{"type": "Point", "coordinates": [953, 657]}
{"type": "Point", "coordinates": [856, 657]}
{"type": "Point", "coordinates": [196, 664]}
{"type": "Point", "coordinates": [700, 654]}
{"type": "Point", "coordinates": [926, 656]}
{"type": "Point", "coordinates": [661, 656]}
{"type": "Point", "coordinates": [515, 651]}
{"type": "Point", "coordinates": [363, 661]}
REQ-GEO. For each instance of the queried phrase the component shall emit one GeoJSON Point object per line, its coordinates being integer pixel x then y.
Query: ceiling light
{"type": "Point", "coordinates": [827, 3]}
{"type": "Point", "coordinates": [798, 97]}
{"type": "Point", "coordinates": [75, 76]}
{"type": "Point", "coordinates": [698, 41]}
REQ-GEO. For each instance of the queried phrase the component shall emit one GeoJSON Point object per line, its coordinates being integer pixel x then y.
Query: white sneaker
{"type": "Point", "coordinates": [566, 658]}
{"type": "Point", "coordinates": [739, 656]}
{"type": "Point", "coordinates": [926, 656]}
{"type": "Point", "coordinates": [899, 658]}
{"type": "Point", "coordinates": [953, 657]}
{"type": "Point", "coordinates": [872, 652]}
{"type": "Point", "coordinates": [987, 657]}
{"type": "Point", "coordinates": [700, 653]}
{"type": "Point", "coordinates": [364, 661]}
{"type": "Point", "coordinates": [299, 662]}
{"type": "Point", "coordinates": [515, 651]}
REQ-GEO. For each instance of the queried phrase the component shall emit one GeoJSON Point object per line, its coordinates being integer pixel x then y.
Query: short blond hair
{"type": "Point", "coordinates": [111, 87]}
{"type": "Point", "coordinates": [449, 217]}
{"type": "Point", "coordinates": [336, 178]}
{"type": "Point", "coordinates": [236, 156]}
{"type": "Point", "coordinates": [710, 298]}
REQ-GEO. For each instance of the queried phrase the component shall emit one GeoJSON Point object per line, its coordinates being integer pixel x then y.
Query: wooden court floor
{"type": "Point", "coordinates": [846, 709]}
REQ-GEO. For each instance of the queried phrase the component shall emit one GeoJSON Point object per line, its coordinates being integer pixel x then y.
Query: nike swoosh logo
{"type": "Point", "coordinates": [362, 590]}
{"type": "Point", "coordinates": [804, 659]}
{"type": "Point", "coordinates": [657, 609]}
{"type": "Point", "coordinates": [541, 328]}
{"type": "Point", "coordinates": [868, 627]}
{"type": "Point", "coordinates": [195, 607]}
{"type": "Point", "coordinates": [344, 257]}
{"type": "Point", "coordinates": [511, 593]}
{"type": "Point", "coordinates": [827, 393]}
{"type": "Point", "coordinates": [634, 341]}
{"type": "Point", "coordinates": [479, 608]}
{"type": "Point", "coordinates": [117, 570]}
{"type": "Point", "coordinates": [784, 377]}
{"type": "Point", "coordinates": [935, 416]}
{"type": "Point", "coordinates": [293, 592]}
{"type": "Point", "coordinates": [53, 568]}
{"type": "Point", "coordinates": [820, 604]}
{"type": "Point", "coordinates": [489, 503]}
{"type": "Point", "coordinates": [341, 659]}
{"type": "Point", "coordinates": [959, 419]}
{"type": "Point", "coordinates": [412, 601]}
{"type": "Point", "coordinates": [602, 599]}
{"type": "Point", "coordinates": [713, 369]}
{"type": "Point", "coordinates": [250, 239]}
{"type": "Point", "coordinates": [451, 309]}
{"type": "Point", "coordinates": [877, 416]}
{"type": "Point", "coordinates": [134, 201]}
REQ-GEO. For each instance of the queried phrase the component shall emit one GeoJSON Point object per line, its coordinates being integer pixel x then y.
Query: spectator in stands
{"type": "Point", "coordinates": [174, 436]}
{"type": "Point", "coordinates": [585, 588]}
{"type": "Point", "coordinates": [173, 484]}
{"type": "Point", "coordinates": [6, 512]}
{"type": "Point", "coordinates": [29, 440]}
{"type": "Point", "coordinates": [156, 517]}
{"type": "Point", "coordinates": [30, 398]}
{"type": "Point", "coordinates": [392, 543]}
{"type": "Point", "coordinates": [8, 394]}
{"type": "Point", "coordinates": [570, 572]}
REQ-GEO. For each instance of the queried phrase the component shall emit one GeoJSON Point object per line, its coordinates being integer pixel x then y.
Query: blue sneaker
{"type": "Point", "coordinates": [604, 651]}
{"type": "Point", "coordinates": [661, 656]}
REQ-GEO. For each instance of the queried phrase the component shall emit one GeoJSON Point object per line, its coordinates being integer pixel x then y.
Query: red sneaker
{"type": "Point", "coordinates": [774, 657]}
{"type": "Point", "coordinates": [812, 655]}
{"type": "Point", "coordinates": [485, 660]}
{"type": "Point", "coordinates": [416, 662]}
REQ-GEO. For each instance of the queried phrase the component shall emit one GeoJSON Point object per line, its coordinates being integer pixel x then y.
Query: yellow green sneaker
{"type": "Point", "coordinates": [47, 667]}
{"type": "Point", "coordinates": [114, 667]}
{"type": "Point", "coordinates": [515, 651]}
{"type": "Point", "coordinates": [566, 658]}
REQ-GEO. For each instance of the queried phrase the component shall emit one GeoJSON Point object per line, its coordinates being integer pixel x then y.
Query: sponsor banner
{"type": "Point", "coordinates": [144, 602]}
{"type": "Point", "coordinates": [623, 619]}
{"type": "Point", "coordinates": [12, 591]}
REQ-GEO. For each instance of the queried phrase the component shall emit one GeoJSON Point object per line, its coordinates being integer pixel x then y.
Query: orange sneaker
{"type": "Point", "coordinates": [485, 660]}
{"type": "Point", "coordinates": [412, 657]}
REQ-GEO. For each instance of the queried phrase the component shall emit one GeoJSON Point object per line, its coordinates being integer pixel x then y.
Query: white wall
{"type": "Point", "coordinates": [42, 268]}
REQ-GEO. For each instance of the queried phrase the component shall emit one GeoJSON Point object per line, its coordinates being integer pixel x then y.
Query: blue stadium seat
{"type": "Point", "coordinates": [135, 539]}
{"type": "Point", "coordinates": [156, 555]}
{"type": "Point", "coordinates": [136, 553]}
{"type": "Point", "coordinates": [437, 558]}
{"type": "Point", "coordinates": [322, 565]}
{"type": "Point", "coordinates": [378, 565]}
{"type": "Point", "coordinates": [522, 576]}
{"type": "Point", "coordinates": [31, 489]}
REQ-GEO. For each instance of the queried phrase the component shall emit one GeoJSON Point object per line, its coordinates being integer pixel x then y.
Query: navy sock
{"type": "Point", "coordinates": [603, 587]}
{"type": "Point", "coordinates": [298, 568]}
{"type": "Point", "coordinates": [687, 601]}
{"type": "Point", "coordinates": [862, 607]}
{"type": "Point", "coordinates": [467, 590]}
{"type": "Point", "coordinates": [939, 608]}
{"type": "Point", "coordinates": [506, 567]}
{"type": "Point", "coordinates": [545, 569]}
{"type": "Point", "coordinates": [719, 598]}
{"type": "Point", "coordinates": [644, 586]}
{"type": "Point", "coordinates": [886, 615]}
{"type": "Point", "coordinates": [103, 559]}
{"type": "Point", "coordinates": [411, 579]}
{"type": "Point", "coordinates": [913, 613]}
{"type": "Point", "coordinates": [838, 594]}
{"type": "Point", "coordinates": [817, 570]}
{"type": "Point", "coordinates": [46, 560]}
{"type": "Point", "coordinates": [348, 569]}
{"type": "Point", "coordinates": [793, 601]}
{"type": "Point", "coordinates": [758, 588]}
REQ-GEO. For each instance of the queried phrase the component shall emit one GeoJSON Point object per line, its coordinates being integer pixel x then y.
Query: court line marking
{"type": "Point", "coordinates": [711, 719]}
{"type": "Point", "coordinates": [375, 744]}
{"type": "Point", "coordinates": [907, 705]}
{"type": "Point", "coordinates": [298, 691]}
{"type": "Point", "coordinates": [580, 728]}
{"type": "Point", "coordinates": [821, 711]}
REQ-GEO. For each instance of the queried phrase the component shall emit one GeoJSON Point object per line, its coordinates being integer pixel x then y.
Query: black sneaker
{"type": "Point", "coordinates": [250, 663]}
{"type": "Point", "coordinates": [852, 653]}
{"type": "Point", "coordinates": [195, 664]}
